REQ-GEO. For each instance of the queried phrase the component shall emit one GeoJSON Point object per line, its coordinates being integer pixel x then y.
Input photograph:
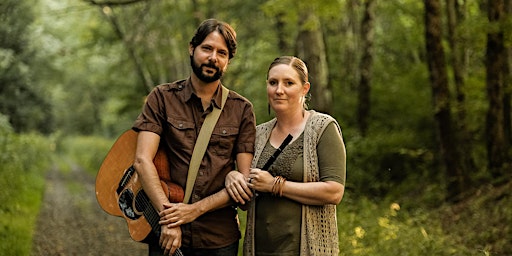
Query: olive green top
{"type": "Point", "coordinates": [278, 219]}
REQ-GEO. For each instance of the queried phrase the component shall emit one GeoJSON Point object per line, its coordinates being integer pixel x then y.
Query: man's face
{"type": "Point", "coordinates": [210, 59]}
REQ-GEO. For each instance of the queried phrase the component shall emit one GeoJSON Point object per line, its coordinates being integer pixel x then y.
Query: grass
{"type": "Point", "coordinates": [24, 160]}
{"type": "Point", "coordinates": [20, 215]}
{"type": "Point", "coordinates": [389, 228]}
{"type": "Point", "coordinates": [86, 151]}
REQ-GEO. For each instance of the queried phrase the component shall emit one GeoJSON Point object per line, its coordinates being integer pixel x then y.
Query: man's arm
{"type": "Point", "coordinates": [147, 146]}
{"type": "Point", "coordinates": [175, 215]}
{"type": "Point", "coordinates": [236, 181]}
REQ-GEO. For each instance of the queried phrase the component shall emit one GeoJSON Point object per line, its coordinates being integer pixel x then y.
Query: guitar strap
{"type": "Point", "coordinates": [201, 144]}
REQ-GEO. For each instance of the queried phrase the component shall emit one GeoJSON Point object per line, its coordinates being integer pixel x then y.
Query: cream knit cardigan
{"type": "Point", "coordinates": [319, 230]}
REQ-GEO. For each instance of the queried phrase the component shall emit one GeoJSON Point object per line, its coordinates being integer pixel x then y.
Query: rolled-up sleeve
{"type": "Point", "coordinates": [151, 119]}
{"type": "Point", "coordinates": [247, 134]}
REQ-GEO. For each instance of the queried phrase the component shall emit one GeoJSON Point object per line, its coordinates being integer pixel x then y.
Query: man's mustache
{"type": "Point", "coordinates": [211, 65]}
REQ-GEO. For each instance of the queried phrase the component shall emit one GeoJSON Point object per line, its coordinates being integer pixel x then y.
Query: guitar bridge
{"type": "Point", "coordinates": [125, 179]}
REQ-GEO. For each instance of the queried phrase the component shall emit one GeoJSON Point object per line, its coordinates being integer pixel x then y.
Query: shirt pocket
{"type": "Point", "coordinates": [223, 141]}
{"type": "Point", "coordinates": [182, 133]}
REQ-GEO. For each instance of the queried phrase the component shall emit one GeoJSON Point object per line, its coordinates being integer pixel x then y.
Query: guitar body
{"type": "Point", "coordinates": [119, 190]}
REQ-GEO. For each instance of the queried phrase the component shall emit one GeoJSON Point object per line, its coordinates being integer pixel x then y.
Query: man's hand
{"type": "Point", "coordinates": [178, 214]}
{"type": "Point", "coordinates": [170, 239]}
{"type": "Point", "coordinates": [237, 188]}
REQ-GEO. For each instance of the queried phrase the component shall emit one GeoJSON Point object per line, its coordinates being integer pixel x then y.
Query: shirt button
{"type": "Point", "coordinates": [224, 132]}
{"type": "Point", "coordinates": [180, 86]}
{"type": "Point", "coordinates": [180, 125]}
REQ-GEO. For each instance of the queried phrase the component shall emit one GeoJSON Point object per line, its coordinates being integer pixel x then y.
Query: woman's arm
{"type": "Point", "coordinates": [332, 163]}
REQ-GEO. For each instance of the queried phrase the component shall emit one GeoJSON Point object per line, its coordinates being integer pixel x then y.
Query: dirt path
{"type": "Point", "coordinates": [72, 223]}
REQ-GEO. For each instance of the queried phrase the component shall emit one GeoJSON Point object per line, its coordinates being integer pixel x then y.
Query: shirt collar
{"type": "Point", "coordinates": [188, 91]}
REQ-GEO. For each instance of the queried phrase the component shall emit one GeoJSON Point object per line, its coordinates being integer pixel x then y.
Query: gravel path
{"type": "Point", "coordinates": [72, 223]}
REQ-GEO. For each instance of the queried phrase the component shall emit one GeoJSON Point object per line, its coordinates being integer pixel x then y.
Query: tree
{"type": "Point", "coordinates": [351, 28]}
{"type": "Point", "coordinates": [107, 9]}
{"type": "Point", "coordinates": [311, 48]}
{"type": "Point", "coordinates": [495, 63]}
{"type": "Point", "coordinates": [441, 98]}
{"type": "Point", "coordinates": [21, 98]}
{"type": "Point", "coordinates": [507, 70]}
{"type": "Point", "coordinates": [365, 67]}
{"type": "Point", "coordinates": [455, 14]}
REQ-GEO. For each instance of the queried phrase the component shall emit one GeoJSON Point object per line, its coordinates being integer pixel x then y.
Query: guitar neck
{"type": "Point", "coordinates": [149, 212]}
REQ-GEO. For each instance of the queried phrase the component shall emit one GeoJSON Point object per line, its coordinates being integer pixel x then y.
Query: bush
{"type": "Point", "coordinates": [368, 228]}
{"type": "Point", "coordinates": [376, 164]}
{"type": "Point", "coordinates": [85, 151]}
{"type": "Point", "coordinates": [24, 160]}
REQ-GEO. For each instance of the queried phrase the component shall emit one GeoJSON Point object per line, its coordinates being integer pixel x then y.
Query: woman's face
{"type": "Point", "coordinates": [285, 90]}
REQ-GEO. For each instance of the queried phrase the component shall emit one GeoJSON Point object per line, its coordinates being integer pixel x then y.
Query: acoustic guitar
{"type": "Point", "coordinates": [119, 191]}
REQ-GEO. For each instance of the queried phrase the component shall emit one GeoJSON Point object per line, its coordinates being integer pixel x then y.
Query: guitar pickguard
{"type": "Point", "coordinates": [125, 203]}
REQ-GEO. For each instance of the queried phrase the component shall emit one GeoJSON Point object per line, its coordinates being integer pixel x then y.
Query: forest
{"type": "Point", "coordinates": [422, 91]}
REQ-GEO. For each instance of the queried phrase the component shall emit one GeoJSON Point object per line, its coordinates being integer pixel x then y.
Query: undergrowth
{"type": "Point", "coordinates": [24, 160]}
{"type": "Point", "coordinates": [86, 151]}
{"type": "Point", "coordinates": [414, 224]}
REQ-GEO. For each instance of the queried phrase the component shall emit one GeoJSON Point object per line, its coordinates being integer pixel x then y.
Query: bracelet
{"type": "Point", "coordinates": [277, 187]}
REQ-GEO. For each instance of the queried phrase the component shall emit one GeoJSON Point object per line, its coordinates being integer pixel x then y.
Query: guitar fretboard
{"type": "Point", "coordinates": [143, 203]}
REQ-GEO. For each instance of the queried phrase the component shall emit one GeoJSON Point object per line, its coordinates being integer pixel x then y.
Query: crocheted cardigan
{"type": "Point", "coordinates": [319, 229]}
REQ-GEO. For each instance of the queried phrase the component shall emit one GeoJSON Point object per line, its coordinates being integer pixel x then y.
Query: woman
{"type": "Point", "coordinates": [294, 210]}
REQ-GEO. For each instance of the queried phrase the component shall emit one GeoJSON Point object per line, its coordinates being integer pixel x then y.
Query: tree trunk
{"type": "Point", "coordinates": [365, 67]}
{"type": "Point", "coordinates": [494, 62]}
{"type": "Point", "coordinates": [507, 70]}
{"type": "Point", "coordinates": [441, 98]}
{"type": "Point", "coordinates": [350, 71]}
{"type": "Point", "coordinates": [141, 69]}
{"type": "Point", "coordinates": [108, 11]}
{"type": "Point", "coordinates": [281, 34]}
{"type": "Point", "coordinates": [455, 14]}
{"type": "Point", "coordinates": [311, 48]}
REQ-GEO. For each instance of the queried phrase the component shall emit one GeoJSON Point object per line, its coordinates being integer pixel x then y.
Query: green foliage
{"type": "Point", "coordinates": [20, 97]}
{"type": "Point", "coordinates": [377, 163]}
{"type": "Point", "coordinates": [390, 227]}
{"type": "Point", "coordinates": [63, 66]}
{"type": "Point", "coordinates": [482, 221]}
{"type": "Point", "coordinates": [24, 160]}
{"type": "Point", "coordinates": [386, 228]}
{"type": "Point", "coordinates": [87, 152]}
{"type": "Point", "coordinates": [242, 217]}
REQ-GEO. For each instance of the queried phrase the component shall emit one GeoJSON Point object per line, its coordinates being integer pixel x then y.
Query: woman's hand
{"type": "Point", "coordinates": [261, 180]}
{"type": "Point", "coordinates": [237, 187]}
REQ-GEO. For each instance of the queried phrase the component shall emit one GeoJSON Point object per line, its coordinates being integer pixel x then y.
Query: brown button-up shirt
{"type": "Point", "coordinates": [175, 112]}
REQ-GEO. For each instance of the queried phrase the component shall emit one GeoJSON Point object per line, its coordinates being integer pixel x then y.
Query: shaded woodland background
{"type": "Point", "coordinates": [422, 89]}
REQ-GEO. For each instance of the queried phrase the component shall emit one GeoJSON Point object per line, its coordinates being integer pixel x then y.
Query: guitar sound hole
{"type": "Point", "coordinates": [125, 203]}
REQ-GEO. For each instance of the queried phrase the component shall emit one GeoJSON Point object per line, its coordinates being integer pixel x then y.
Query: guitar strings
{"type": "Point", "coordinates": [149, 212]}
{"type": "Point", "coordinates": [151, 215]}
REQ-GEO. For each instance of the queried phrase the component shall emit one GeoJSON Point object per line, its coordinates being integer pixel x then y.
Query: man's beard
{"type": "Point", "coordinates": [198, 70]}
